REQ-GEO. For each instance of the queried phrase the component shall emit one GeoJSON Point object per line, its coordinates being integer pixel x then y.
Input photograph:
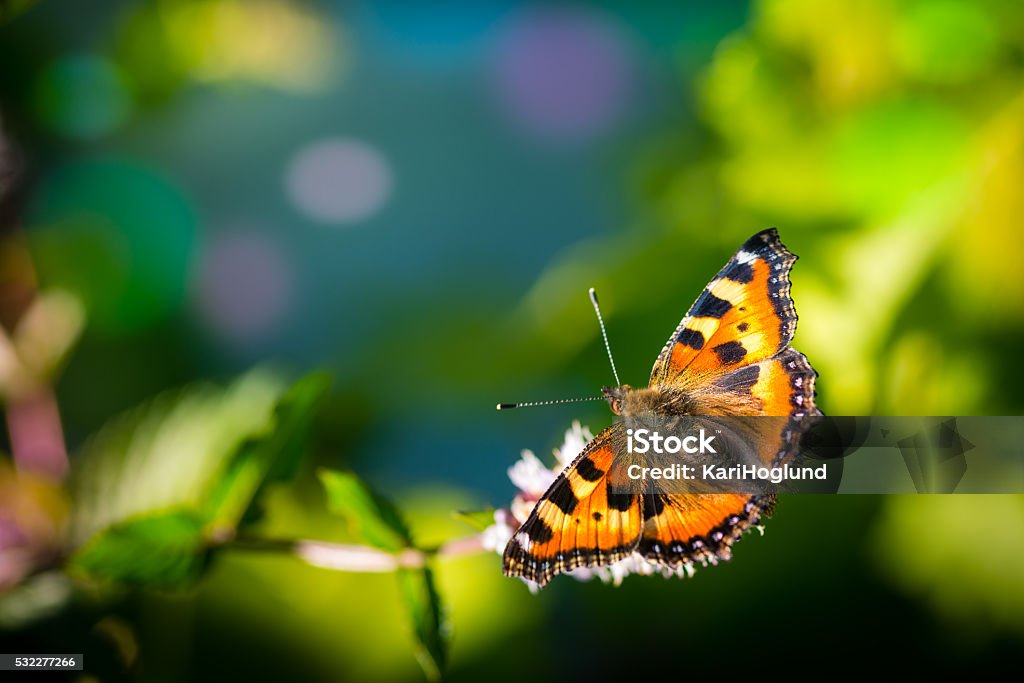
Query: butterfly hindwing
{"type": "Point", "coordinates": [782, 384]}
{"type": "Point", "coordinates": [578, 522]}
{"type": "Point", "coordinates": [743, 316]}
{"type": "Point", "coordinates": [687, 529]}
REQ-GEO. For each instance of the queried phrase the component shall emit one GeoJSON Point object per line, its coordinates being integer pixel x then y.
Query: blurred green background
{"type": "Point", "coordinates": [415, 198]}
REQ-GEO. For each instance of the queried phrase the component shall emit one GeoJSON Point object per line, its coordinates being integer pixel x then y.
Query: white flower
{"type": "Point", "coordinates": [533, 478]}
{"type": "Point", "coordinates": [530, 475]}
{"type": "Point", "coordinates": [634, 564]}
{"type": "Point", "coordinates": [496, 536]}
{"type": "Point", "coordinates": [576, 437]}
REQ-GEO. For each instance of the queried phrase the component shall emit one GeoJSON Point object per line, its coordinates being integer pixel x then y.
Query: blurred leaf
{"type": "Point", "coordinates": [169, 453]}
{"type": "Point", "coordinates": [38, 346]}
{"type": "Point", "coordinates": [266, 459]}
{"type": "Point", "coordinates": [37, 598]}
{"type": "Point", "coordinates": [375, 519]}
{"type": "Point", "coordinates": [982, 590]}
{"type": "Point", "coordinates": [162, 550]}
{"type": "Point", "coordinates": [946, 41]}
{"type": "Point", "coordinates": [478, 519]}
{"type": "Point", "coordinates": [48, 330]}
{"type": "Point", "coordinates": [160, 486]}
{"type": "Point", "coordinates": [429, 623]}
{"type": "Point", "coordinates": [891, 152]}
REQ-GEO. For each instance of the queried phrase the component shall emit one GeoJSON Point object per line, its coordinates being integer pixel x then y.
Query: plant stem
{"type": "Point", "coordinates": [357, 558]}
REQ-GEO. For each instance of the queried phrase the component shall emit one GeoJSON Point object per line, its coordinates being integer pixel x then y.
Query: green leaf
{"type": "Point", "coordinates": [272, 457]}
{"type": "Point", "coordinates": [379, 523]}
{"type": "Point", "coordinates": [160, 486]}
{"type": "Point", "coordinates": [478, 519]}
{"type": "Point", "coordinates": [162, 550]}
{"type": "Point", "coordinates": [168, 453]}
{"type": "Point", "coordinates": [429, 623]}
{"type": "Point", "coordinates": [372, 517]}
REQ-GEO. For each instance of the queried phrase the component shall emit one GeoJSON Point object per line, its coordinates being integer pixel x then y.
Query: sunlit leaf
{"type": "Point", "coordinates": [159, 487]}
{"type": "Point", "coordinates": [945, 41]}
{"type": "Point", "coordinates": [169, 453]}
{"type": "Point", "coordinates": [429, 622]}
{"type": "Point", "coordinates": [478, 519]}
{"type": "Point", "coordinates": [373, 518]}
{"type": "Point", "coordinates": [378, 523]}
{"type": "Point", "coordinates": [161, 550]}
{"type": "Point", "coordinates": [268, 458]}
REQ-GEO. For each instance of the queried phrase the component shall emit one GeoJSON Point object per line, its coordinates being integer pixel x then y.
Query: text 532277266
{"type": "Point", "coordinates": [35, 662]}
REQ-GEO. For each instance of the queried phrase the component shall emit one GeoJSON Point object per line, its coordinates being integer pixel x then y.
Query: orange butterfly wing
{"type": "Point", "coordinates": [578, 522]}
{"type": "Point", "coordinates": [683, 529]}
{"type": "Point", "coordinates": [745, 315]}
{"type": "Point", "coordinates": [783, 384]}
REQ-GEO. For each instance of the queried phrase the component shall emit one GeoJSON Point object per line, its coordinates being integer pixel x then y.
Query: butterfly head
{"type": "Point", "coordinates": [629, 402]}
{"type": "Point", "coordinates": [615, 396]}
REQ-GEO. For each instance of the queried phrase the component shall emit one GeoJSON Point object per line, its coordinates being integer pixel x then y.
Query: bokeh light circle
{"type": "Point", "coordinates": [243, 286]}
{"type": "Point", "coordinates": [563, 72]}
{"type": "Point", "coordinates": [117, 234]}
{"type": "Point", "coordinates": [338, 180]}
{"type": "Point", "coordinates": [82, 96]}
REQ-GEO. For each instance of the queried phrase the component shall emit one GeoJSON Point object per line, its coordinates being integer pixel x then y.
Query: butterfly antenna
{"type": "Point", "coordinates": [604, 334]}
{"type": "Point", "coordinates": [510, 406]}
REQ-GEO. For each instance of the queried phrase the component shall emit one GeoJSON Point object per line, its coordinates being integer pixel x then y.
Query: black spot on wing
{"type": "Point", "coordinates": [742, 327]}
{"type": "Point", "coordinates": [539, 531]}
{"type": "Point", "coordinates": [588, 470]}
{"type": "Point", "coordinates": [620, 501]}
{"type": "Point", "coordinates": [742, 380]}
{"type": "Point", "coordinates": [651, 548]}
{"type": "Point", "coordinates": [730, 352]}
{"type": "Point", "coordinates": [692, 338]}
{"type": "Point", "coordinates": [598, 516]}
{"type": "Point", "coordinates": [562, 496]}
{"type": "Point", "coordinates": [654, 504]}
{"type": "Point", "coordinates": [737, 272]}
{"type": "Point", "coordinates": [708, 305]}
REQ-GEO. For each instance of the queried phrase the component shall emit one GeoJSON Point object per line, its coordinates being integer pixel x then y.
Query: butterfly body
{"type": "Point", "coordinates": [664, 401]}
{"type": "Point", "coordinates": [730, 356]}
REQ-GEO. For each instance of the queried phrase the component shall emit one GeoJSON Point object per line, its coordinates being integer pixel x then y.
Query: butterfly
{"type": "Point", "coordinates": [730, 355]}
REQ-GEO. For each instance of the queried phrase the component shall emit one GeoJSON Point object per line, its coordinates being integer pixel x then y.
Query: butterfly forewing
{"type": "Point", "coordinates": [744, 315]}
